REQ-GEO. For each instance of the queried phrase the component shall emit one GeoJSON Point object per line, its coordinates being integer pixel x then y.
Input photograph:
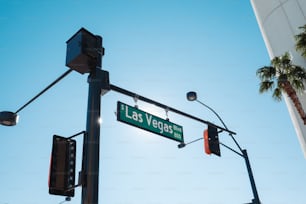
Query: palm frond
{"type": "Point", "coordinates": [266, 73]}
{"type": "Point", "coordinates": [301, 41]}
{"type": "Point", "coordinates": [265, 86]}
{"type": "Point", "coordinates": [298, 72]}
{"type": "Point", "coordinates": [298, 85]}
{"type": "Point", "coordinates": [282, 63]}
{"type": "Point", "coordinates": [297, 78]}
{"type": "Point", "coordinates": [277, 94]}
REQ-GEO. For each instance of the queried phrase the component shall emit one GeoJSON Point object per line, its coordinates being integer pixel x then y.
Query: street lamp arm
{"type": "Point", "coordinates": [9, 118]}
{"type": "Point", "coordinates": [213, 112]}
{"type": "Point", "coordinates": [44, 90]}
{"type": "Point", "coordinates": [223, 123]}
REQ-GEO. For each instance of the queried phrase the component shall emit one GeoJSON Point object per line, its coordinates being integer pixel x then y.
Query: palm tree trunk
{"type": "Point", "coordinates": [294, 98]}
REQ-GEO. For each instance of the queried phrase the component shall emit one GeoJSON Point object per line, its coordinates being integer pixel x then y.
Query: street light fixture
{"type": "Point", "coordinates": [8, 118]}
{"type": "Point", "coordinates": [192, 96]}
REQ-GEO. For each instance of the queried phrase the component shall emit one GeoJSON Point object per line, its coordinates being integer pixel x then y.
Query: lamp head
{"type": "Point", "coordinates": [191, 96]}
{"type": "Point", "coordinates": [181, 145]}
{"type": "Point", "coordinates": [68, 198]}
{"type": "Point", "coordinates": [8, 118]}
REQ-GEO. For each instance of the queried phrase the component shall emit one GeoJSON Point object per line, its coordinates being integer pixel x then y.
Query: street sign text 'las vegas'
{"type": "Point", "coordinates": [146, 121]}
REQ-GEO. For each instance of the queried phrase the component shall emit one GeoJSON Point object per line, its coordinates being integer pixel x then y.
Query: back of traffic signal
{"type": "Point", "coordinates": [211, 141]}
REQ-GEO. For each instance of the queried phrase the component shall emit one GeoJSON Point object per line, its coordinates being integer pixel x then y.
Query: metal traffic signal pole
{"type": "Point", "coordinates": [98, 85]}
{"type": "Point", "coordinates": [84, 55]}
{"type": "Point", "coordinates": [252, 180]}
{"type": "Point", "coordinates": [192, 96]}
{"type": "Point", "coordinates": [91, 144]}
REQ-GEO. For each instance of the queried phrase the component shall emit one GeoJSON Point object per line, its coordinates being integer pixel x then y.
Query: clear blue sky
{"type": "Point", "coordinates": [160, 49]}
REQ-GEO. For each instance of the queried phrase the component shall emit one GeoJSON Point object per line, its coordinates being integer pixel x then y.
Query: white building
{"type": "Point", "coordinates": [279, 22]}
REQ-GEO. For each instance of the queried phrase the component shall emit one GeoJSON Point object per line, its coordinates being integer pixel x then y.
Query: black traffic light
{"type": "Point", "coordinates": [62, 166]}
{"type": "Point", "coordinates": [211, 141]}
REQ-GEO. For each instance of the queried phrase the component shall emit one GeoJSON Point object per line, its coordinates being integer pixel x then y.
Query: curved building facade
{"type": "Point", "coordinates": [279, 22]}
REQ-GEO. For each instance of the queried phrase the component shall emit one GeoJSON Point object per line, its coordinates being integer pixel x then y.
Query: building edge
{"type": "Point", "coordinates": [273, 17]}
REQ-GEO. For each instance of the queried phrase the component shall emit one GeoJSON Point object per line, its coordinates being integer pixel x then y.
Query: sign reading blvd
{"type": "Point", "coordinates": [146, 121]}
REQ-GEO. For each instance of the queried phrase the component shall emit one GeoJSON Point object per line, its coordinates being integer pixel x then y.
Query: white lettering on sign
{"type": "Point", "coordinates": [163, 127]}
{"type": "Point", "coordinates": [149, 122]}
{"type": "Point", "coordinates": [138, 117]}
{"type": "Point", "coordinates": [135, 116]}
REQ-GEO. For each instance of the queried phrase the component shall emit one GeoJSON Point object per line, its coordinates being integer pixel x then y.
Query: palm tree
{"type": "Point", "coordinates": [301, 41]}
{"type": "Point", "coordinates": [283, 76]}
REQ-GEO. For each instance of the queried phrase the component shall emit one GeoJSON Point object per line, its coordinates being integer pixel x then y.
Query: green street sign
{"type": "Point", "coordinates": [146, 121]}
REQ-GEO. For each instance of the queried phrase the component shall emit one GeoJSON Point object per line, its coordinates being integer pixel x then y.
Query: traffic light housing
{"type": "Point", "coordinates": [211, 141]}
{"type": "Point", "coordinates": [62, 166]}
